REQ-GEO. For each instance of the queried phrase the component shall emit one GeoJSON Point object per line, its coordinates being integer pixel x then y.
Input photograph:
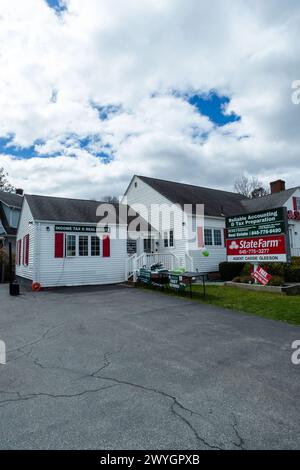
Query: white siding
{"type": "Point", "coordinates": [24, 229]}
{"type": "Point", "coordinates": [144, 195]}
{"type": "Point", "coordinates": [83, 270]}
{"type": "Point", "coordinates": [217, 254]}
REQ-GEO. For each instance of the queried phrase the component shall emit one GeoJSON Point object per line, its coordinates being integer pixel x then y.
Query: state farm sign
{"type": "Point", "coordinates": [271, 243]}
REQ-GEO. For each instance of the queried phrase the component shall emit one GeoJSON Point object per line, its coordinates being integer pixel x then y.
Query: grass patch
{"type": "Point", "coordinates": [264, 304]}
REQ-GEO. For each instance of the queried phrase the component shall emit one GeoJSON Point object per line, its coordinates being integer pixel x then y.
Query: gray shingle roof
{"type": "Point", "coordinates": [216, 202]}
{"type": "Point", "coordinates": [268, 202]}
{"type": "Point", "coordinates": [60, 209]}
{"type": "Point", "coordinates": [11, 199]}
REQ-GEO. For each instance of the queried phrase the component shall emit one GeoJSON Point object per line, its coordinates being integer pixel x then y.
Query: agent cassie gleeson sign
{"type": "Point", "coordinates": [259, 236]}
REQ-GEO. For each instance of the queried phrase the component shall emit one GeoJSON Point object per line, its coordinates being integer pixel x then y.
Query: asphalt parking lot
{"type": "Point", "coordinates": [123, 368]}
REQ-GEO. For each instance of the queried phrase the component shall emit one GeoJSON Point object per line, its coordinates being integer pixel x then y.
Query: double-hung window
{"type": "Point", "coordinates": [71, 245]}
{"type": "Point", "coordinates": [166, 240]}
{"type": "Point", "coordinates": [95, 246]}
{"type": "Point", "coordinates": [213, 237]}
{"type": "Point", "coordinates": [217, 237]}
{"type": "Point", "coordinates": [208, 236]}
{"type": "Point", "coordinates": [83, 245]}
{"type": "Point", "coordinates": [171, 239]}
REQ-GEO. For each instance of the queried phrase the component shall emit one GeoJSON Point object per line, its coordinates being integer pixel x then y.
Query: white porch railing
{"type": "Point", "coordinates": [189, 263]}
{"type": "Point", "coordinates": [295, 251]}
{"type": "Point", "coordinates": [168, 260]}
{"type": "Point", "coordinates": [134, 262]}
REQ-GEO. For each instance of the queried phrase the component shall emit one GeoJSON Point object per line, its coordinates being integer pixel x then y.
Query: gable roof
{"type": "Point", "coordinates": [11, 199]}
{"type": "Point", "coordinates": [3, 219]}
{"type": "Point", "coordinates": [216, 202]}
{"type": "Point", "coordinates": [61, 209]}
{"type": "Point", "coordinates": [271, 201]}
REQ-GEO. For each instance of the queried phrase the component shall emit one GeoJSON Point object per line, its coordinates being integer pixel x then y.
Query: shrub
{"type": "Point", "coordinates": [296, 260]}
{"type": "Point", "coordinates": [275, 269]}
{"type": "Point", "coordinates": [276, 281]}
{"type": "Point", "coordinates": [292, 273]}
{"type": "Point", "coordinates": [247, 269]}
{"type": "Point", "coordinates": [230, 270]}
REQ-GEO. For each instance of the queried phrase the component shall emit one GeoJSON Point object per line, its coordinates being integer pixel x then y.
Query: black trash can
{"type": "Point", "coordinates": [14, 288]}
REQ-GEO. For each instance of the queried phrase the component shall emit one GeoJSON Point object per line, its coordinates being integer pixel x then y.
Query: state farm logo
{"type": "Point", "coordinates": [234, 245]}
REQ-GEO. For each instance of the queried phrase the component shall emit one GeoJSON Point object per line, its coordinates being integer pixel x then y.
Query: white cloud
{"type": "Point", "coordinates": [123, 52]}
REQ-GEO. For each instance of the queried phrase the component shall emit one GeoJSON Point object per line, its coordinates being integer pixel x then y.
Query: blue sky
{"type": "Point", "coordinates": [211, 105]}
{"type": "Point", "coordinates": [58, 5]}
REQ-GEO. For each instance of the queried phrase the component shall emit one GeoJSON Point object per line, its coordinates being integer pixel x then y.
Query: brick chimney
{"type": "Point", "coordinates": [19, 191]}
{"type": "Point", "coordinates": [277, 186]}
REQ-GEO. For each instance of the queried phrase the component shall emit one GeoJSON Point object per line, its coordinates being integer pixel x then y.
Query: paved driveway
{"type": "Point", "coordinates": [125, 368]}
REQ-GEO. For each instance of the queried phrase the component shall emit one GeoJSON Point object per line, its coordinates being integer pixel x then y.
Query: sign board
{"type": "Point", "coordinates": [258, 237]}
{"type": "Point", "coordinates": [176, 282]}
{"type": "Point", "coordinates": [80, 228]}
{"type": "Point", "coordinates": [261, 276]}
{"type": "Point", "coordinates": [257, 224]}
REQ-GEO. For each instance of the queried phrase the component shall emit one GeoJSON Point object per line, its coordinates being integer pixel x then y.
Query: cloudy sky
{"type": "Point", "coordinates": [197, 91]}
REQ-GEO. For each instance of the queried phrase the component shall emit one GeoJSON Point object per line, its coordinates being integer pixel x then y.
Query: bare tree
{"type": "Point", "coordinates": [250, 187]}
{"type": "Point", "coordinates": [4, 183]}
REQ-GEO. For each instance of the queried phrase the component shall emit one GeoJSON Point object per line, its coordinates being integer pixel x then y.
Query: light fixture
{"type": "Point", "coordinates": [48, 229]}
{"type": "Point", "coordinates": [30, 222]}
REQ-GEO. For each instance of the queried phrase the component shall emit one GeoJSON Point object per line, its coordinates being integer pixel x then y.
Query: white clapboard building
{"type": "Point", "coordinates": [202, 244]}
{"type": "Point", "coordinates": [59, 244]}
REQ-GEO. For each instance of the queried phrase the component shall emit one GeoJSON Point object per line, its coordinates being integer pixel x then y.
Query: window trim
{"type": "Point", "coordinates": [66, 244]}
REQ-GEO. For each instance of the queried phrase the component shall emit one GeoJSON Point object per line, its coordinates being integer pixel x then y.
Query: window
{"type": "Point", "coordinates": [213, 237]}
{"type": "Point", "coordinates": [71, 245]}
{"type": "Point", "coordinates": [297, 203]}
{"type": "Point", "coordinates": [171, 238]}
{"type": "Point", "coordinates": [166, 240]}
{"type": "Point", "coordinates": [95, 246]}
{"type": "Point", "coordinates": [208, 236]}
{"type": "Point", "coordinates": [83, 245]}
{"type": "Point", "coordinates": [217, 237]}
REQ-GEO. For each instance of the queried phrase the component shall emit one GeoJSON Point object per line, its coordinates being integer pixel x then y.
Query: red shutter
{"type": "Point", "coordinates": [200, 237]}
{"type": "Point", "coordinates": [225, 235]}
{"type": "Point", "coordinates": [27, 250]}
{"type": "Point", "coordinates": [106, 246]}
{"type": "Point", "coordinates": [17, 252]}
{"type": "Point", "coordinates": [20, 251]}
{"type": "Point", "coordinates": [59, 245]}
{"type": "Point", "coordinates": [295, 203]}
{"type": "Point", "coordinates": [24, 250]}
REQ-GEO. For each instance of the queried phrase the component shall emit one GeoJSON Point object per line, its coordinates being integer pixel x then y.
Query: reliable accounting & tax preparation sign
{"type": "Point", "coordinates": [258, 237]}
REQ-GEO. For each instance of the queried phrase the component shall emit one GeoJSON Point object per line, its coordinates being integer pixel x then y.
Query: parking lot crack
{"type": "Point", "coordinates": [241, 441]}
{"type": "Point", "coordinates": [20, 398]}
{"type": "Point", "coordinates": [33, 343]}
{"type": "Point", "coordinates": [175, 403]}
